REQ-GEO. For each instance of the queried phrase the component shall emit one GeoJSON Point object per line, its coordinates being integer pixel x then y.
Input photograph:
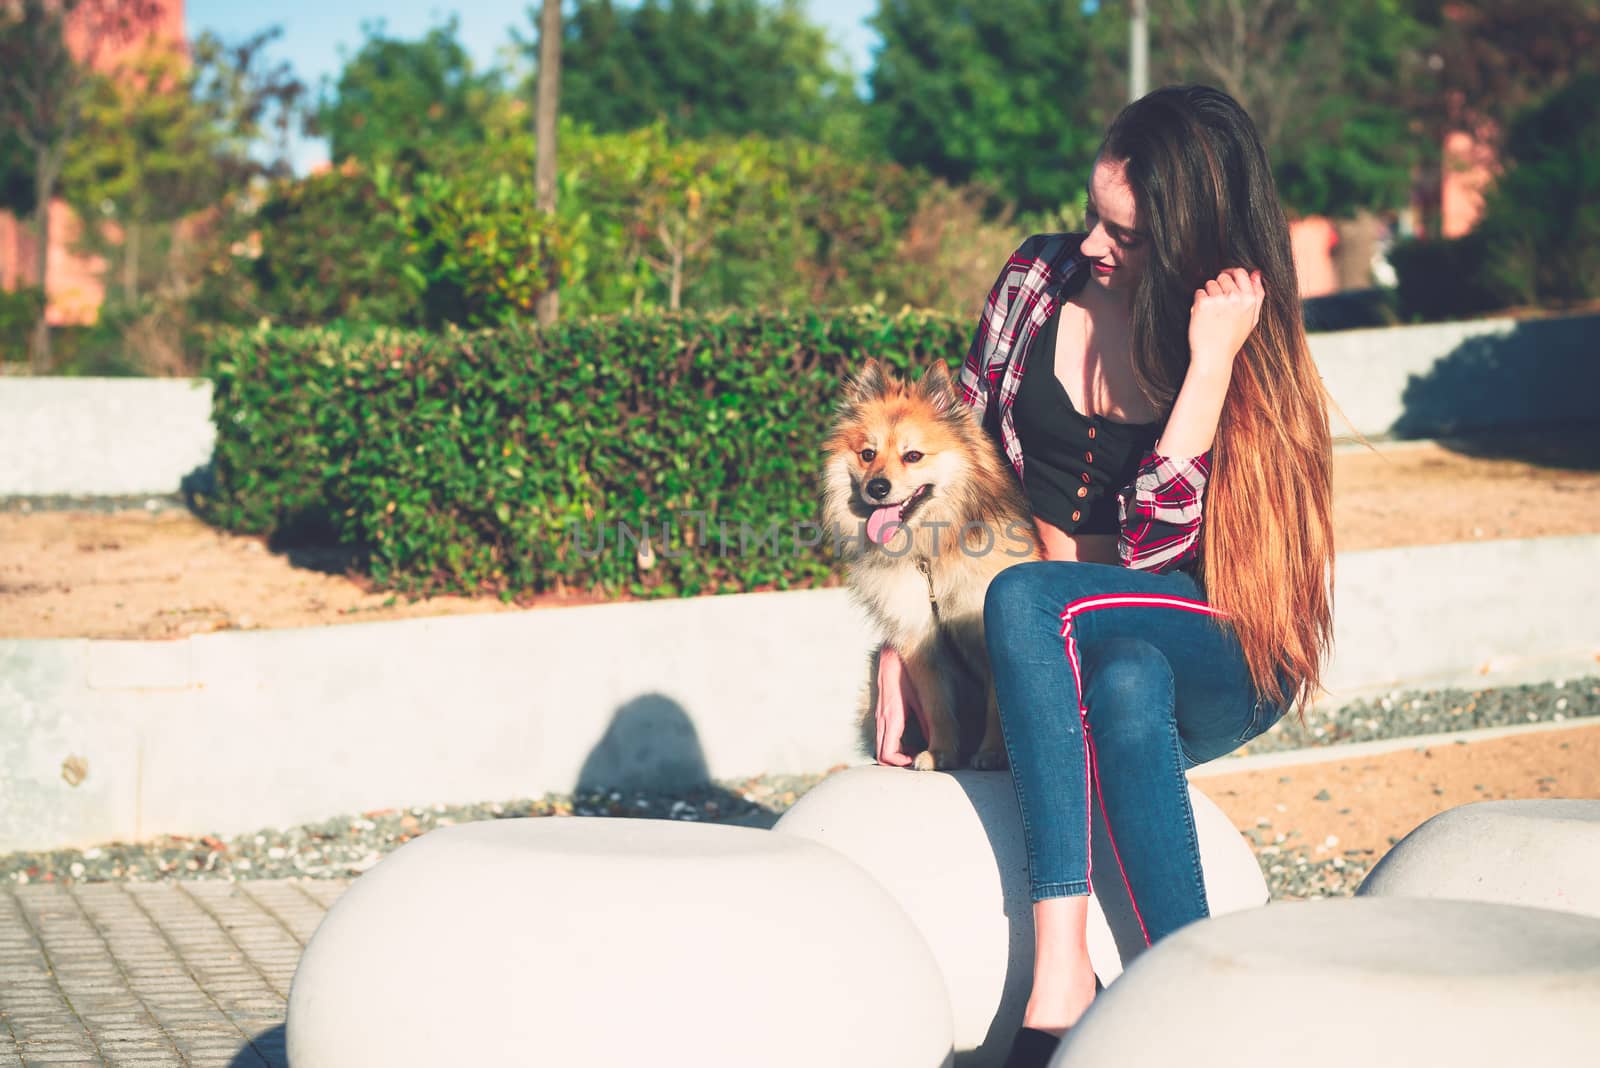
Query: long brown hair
{"type": "Point", "coordinates": [1205, 194]}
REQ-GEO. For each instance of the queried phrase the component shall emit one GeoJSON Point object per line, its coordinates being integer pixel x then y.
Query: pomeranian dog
{"type": "Point", "coordinates": [925, 512]}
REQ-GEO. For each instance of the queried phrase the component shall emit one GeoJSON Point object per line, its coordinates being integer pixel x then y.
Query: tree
{"type": "Point", "coordinates": [1494, 58]}
{"type": "Point", "coordinates": [704, 67]}
{"type": "Point", "coordinates": [16, 175]}
{"type": "Point", "coordinates": [165, 136]}
{"type": "Point", "coordinates": [545, 135]}
{"type": "Point", "coordinates": [1016, 96]}
{"type": "Point", "coordinates": [1325, 85]}
{"type": "Point", "coordinates": [406, 99]}
{"type": "Point", "coordinates": [1488, 60]}
{"type": "Point", "coordinates": [43, 84]}
{"type": "Point", "coordinates": [254, 100]}
{"type": "Point", "coordinates": [148, 154]}
{"type": "Point", "coordinates": [1541, 223]}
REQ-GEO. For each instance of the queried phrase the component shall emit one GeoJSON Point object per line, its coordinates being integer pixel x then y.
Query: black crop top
{"type": "Point", "coordinates": [1074, 465]}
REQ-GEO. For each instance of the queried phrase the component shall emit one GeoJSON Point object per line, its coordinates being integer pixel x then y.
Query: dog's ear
{"type": "Point", "coordinates": [935, 384]}
{"type": "Point", "coordinates": [868, 383]}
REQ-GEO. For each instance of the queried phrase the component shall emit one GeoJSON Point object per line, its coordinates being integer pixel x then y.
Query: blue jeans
{"type": "Point", "coordinates": [1116, 681]}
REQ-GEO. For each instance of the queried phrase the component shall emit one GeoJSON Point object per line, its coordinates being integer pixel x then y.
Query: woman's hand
{"type": "Point", "coordinates": [895, 695]}
{"type": "Point", "coordinates": [1223, 314]}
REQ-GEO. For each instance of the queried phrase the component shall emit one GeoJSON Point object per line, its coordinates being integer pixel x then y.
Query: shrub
{"type": "Point", "coordinates": [643, 222]}
{"type": "Point", "coordinates": [1542, 219]}
{"type": "Point", "coordinates": [478, 252]}
{"type": "Point", "coordinates": [319, 249]}
{"type": "Point", "coordinates": [491, 461]}
{"type": "Point", "coordinates": [1444, 278]}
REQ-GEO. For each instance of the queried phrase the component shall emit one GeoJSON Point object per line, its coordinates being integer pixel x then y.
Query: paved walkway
{"type": "Point", "coordinates": [153, 974]}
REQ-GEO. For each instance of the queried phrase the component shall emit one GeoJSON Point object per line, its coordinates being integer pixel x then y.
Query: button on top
{"type": "Point", "coordinates": [1076, 515]}
{"type": "Point", "coordinates": [1091, 432]}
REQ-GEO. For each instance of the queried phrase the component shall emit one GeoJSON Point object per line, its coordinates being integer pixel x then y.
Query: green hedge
{"type": "Point", "coordinates": [492, 461]}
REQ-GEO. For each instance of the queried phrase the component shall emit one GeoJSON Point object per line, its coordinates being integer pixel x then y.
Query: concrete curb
{"type": "Point", "coordinates": [233, 731]}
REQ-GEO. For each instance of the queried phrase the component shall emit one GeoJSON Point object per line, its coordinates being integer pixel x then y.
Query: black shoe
{"type": "Point", "coordinates": [1032, 1049]}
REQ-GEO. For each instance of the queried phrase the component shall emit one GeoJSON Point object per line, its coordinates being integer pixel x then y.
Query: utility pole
{"type": "Point", "coordinates": [1138, 50]}
{"type": "Point", "coordinates": [544, 132]}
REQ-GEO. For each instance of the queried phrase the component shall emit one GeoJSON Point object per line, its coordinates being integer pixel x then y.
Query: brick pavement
{"type": "Point", "coordinates": [147, 975]}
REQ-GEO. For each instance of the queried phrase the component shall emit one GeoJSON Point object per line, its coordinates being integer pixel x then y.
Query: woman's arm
{"type": "Point", "coordinates": [1163, 508]}
{"type": "Point", "coordinates": [974, 384]}
{"type": "Point", "coordinates": [1223, 314]}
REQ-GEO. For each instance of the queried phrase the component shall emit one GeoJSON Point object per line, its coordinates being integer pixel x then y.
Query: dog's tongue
{"type": "Point", "coordinates": [881, 523]}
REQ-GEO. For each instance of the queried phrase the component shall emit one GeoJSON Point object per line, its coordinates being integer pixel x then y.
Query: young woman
{"type": "Point", "coordinates": [1151, 386]}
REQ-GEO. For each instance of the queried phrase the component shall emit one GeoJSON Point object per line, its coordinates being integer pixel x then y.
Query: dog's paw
{"type": "Point", "coordinates": [989, 760]}
{"type": "Point", "coordinates": [935, 760]}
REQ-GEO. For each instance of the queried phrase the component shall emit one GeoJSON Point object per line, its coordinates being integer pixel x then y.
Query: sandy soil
{"type": "Point", "coordinates": [1359, 807]}
{"type": "Point", "coordinates": [1508, 486]}
{"type": "Point", "coordinates": [137, 574]}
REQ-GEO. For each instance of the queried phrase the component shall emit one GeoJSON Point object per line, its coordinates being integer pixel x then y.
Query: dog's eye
{"type": "Point", "coordinates": [867, 455]}
{"type": "Point", "coordinates": [912, 457]}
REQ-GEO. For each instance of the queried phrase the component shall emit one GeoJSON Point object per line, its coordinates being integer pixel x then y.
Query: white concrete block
{"type": "Point", "coordinates": [1380, 982]}
{"type": "Point", "coordinates": [103, 435]}
{"type": "Point", "coordinates": [139, 665]}
{"type": "Point", "coordinates": [613, 942]}
{"type": "Point", "coordinates": [949, 848]}
{"type": "Point", "coordinates": [1543, 852]}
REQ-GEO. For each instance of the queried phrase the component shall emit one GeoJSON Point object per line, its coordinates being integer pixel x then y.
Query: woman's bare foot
{"type": "Point", "coordinates": [1063, 978]}
{"type": "Point", "coordinates": [1057, 1009]}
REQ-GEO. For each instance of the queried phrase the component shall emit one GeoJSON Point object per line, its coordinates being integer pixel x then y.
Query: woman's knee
{"type": "Point", "coordinates": [1127, 690]}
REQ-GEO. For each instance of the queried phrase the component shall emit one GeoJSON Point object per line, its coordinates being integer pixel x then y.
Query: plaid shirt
{"type": "Point", "coordinates": [1161, 508]}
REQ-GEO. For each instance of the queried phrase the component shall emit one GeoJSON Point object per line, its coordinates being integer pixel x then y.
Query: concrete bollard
{"type": "Point", "coordinates": [616, 942]}
{"type": "Point", "coordinates": [1543, 852]}
{"type": "Point", "coordinates": [1381, 982]}
{"type": "Point", "coordinates": [948, 847]}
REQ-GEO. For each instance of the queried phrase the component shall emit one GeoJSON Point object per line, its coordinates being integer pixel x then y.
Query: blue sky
{"type": "Point", "coordinates": [315, 33]}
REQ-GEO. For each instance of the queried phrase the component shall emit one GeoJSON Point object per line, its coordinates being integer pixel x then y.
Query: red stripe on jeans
{"type": "Point", "coordinates": [1088, 758]}
{"type": "Point", "coordinates": [1091, 764]}
{"type": "Point", "coordinates": [1114, 850]}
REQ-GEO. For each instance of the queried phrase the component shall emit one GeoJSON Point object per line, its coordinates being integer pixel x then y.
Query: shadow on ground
{"type": "Point", "coordinates": [305, 536]}
{"type": "Point", "coordinates": [269, 1049]}
{"type": "Point", "coordinates": [1527, 392]}
{"type": "Point", "coordinates": [1569, 446]}
{"type": "Point", "coordinates": [651, 746]}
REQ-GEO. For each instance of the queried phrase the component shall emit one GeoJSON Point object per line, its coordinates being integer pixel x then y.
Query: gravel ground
{"type": "Point", "coordinates": [348, 845]}
{"type": "Point", "coordinates": [1414, 712]}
